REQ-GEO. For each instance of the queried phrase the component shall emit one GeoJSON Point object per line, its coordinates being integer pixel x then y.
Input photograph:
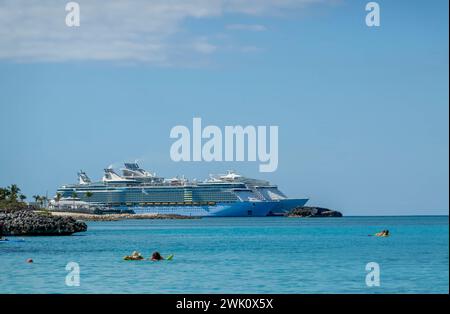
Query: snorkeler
{"type": "Point", "coordinates": [384, 233]}
{"type": "Point", "coordinates": [135, 256]}
{"type": "Point", "coordinates": [156, 257]}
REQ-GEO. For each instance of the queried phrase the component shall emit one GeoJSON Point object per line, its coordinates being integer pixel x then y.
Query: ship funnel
{"type": "Point", "coordinates": [83, 178]}
{"type": "Point", "coordinates": [110, 175]}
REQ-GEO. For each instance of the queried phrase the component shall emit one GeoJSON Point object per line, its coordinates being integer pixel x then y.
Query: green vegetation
{"type": "Point", "coordinates": [41, 201]}
{"type": "Point", "coordinates": [11, 198]}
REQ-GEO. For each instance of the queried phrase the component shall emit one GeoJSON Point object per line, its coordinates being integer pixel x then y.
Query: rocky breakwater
{"type": "Point", "coordinates": [29, 223]}
{"type": "Point", "coordinates": [307, 211]}
{"type": "Point", "coordinates": [116, 217]}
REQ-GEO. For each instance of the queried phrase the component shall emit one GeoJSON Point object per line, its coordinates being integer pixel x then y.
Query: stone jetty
{"type": "Point", "coordinates": [116, 217]}
{"type": "Point", "coordinates": [30, 223]}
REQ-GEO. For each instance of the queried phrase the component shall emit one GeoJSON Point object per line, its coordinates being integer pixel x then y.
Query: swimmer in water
{"type": "Point", "coordinates": [135, 256]}
{"type": "Point", "coordinates": [156, 257]}
{"type": "Point", "coordinates": [384, 233]}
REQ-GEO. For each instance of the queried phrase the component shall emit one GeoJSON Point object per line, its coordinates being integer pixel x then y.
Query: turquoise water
{"type": "Point", "coordinates": [237, 255]}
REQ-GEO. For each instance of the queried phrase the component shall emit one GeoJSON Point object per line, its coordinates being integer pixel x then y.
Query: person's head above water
{"type": "Point", "coordinates": [156, 256]}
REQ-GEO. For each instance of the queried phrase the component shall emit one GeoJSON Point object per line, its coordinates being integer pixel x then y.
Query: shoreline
{"type": "Point", "coordinates": [118, 217]}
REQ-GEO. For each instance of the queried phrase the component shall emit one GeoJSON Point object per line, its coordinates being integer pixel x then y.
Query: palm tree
{"type": "Point", "coordinates": [36, 198]}
{"type": "Point", "coordinates": [57, 198]}
{"type": "Point", "coordinates": [4, 193]}
{"type": "Point", "coordinates": [41, 201]}
{"type": "Point", "coordinates": [74, 196]}
{"type": "Point", "coordinates": [44, 200]}
{"type": "Point", "coordinates": [14, 191]}
{"type": "Point", "coordinates": [89, 194]}
{"type": "Point", "coordinates": [22, 197]}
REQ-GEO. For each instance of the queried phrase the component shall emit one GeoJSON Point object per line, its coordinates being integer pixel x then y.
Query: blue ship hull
{"type": "Point", "coordinates": [237, 209]}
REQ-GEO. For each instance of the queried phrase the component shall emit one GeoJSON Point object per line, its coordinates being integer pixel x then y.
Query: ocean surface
{"type": "Point", "coordinates": [236, 255]}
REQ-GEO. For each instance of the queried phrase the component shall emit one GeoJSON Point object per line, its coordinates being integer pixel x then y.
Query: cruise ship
{"type": "Point", "coordinates": [139, 191]}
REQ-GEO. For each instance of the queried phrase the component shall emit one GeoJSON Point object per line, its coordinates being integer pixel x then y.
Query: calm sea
{"type": "Point", "coordinates": [236, 255]}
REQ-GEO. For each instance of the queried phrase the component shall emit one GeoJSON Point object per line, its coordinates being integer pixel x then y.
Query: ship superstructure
{"type": "Point", "coordinates": [144, 192]}
{"type": "Point", "coordinates": [264, 190]}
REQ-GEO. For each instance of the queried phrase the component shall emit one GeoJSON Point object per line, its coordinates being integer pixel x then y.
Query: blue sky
{"type": "Point", "coordinates": [362, 112]}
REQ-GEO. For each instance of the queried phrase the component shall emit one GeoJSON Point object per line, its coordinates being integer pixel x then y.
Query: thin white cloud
{"type": "Point", "coordinates": [246, 27]}
{"type": "Point", "coordinates": [147, 31]}
{"type": "Point", "coordinates": [203, 46]}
